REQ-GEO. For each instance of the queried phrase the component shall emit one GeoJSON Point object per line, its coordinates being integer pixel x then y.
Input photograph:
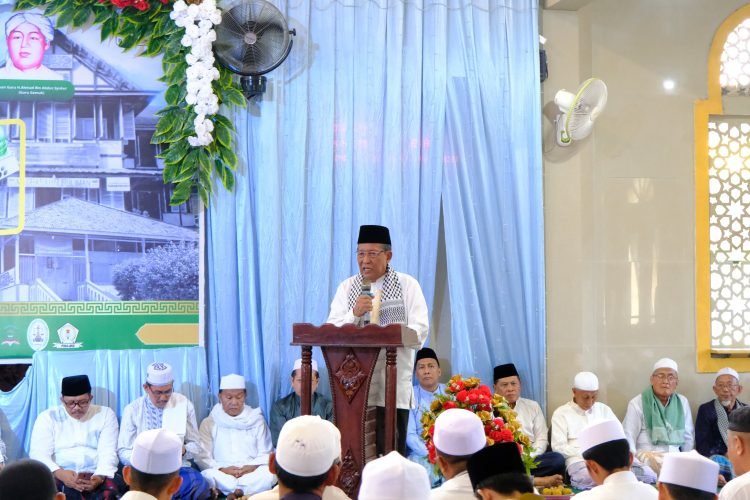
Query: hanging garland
{"type": "Point", "coordinates": [196, 139]}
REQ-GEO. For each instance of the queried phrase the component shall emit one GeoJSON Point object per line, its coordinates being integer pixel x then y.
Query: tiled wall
{"type": "Point", "coordinates": [620, 206]}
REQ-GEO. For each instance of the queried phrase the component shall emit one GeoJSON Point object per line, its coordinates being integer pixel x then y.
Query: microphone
{"type": "Point", "coordinates": [366, 290]}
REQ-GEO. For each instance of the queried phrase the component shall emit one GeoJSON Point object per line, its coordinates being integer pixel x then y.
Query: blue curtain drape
{"type": "Point", "coordinates": [116, 380]}
{"type": "Point", "coordinates": [492, 195]}
{"type": "Point", "coordinates": [382, 108]}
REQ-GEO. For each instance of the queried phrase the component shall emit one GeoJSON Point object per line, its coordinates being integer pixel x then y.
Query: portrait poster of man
{"type": "Point", "coordinates": [99, 248]}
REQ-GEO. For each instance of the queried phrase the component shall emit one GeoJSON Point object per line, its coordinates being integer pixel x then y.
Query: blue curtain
{"type": "Point", "coordinates": [116, 380]}
{"type": "Point", "coordinates": [376, 115]}
{"type": "Point", "coordinates": [492, 195]}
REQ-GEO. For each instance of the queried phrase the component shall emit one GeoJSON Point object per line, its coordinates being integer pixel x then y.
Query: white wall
{"type": "Point", "coordinates": [619, 211]}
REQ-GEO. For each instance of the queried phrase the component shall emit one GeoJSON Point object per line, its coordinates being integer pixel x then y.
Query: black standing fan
{"type": "Point", "coordinates": [252, 39]}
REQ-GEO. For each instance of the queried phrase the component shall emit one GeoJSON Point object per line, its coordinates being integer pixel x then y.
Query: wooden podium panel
{"type": "Point", "coordinates": [350, 353]}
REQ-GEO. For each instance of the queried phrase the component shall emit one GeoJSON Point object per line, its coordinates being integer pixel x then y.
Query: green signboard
{"type": "Point", "coordinates": [68, 326]}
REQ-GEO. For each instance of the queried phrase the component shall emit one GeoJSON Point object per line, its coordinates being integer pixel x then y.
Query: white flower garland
{"type": "Point", "coordinates": [198, 21]}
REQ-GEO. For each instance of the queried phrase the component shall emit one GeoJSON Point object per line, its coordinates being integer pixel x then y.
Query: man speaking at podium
{"type": "Point", "coordinates": [382, 296]}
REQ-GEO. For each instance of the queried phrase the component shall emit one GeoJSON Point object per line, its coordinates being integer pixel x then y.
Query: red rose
{"type": "Point", "coordinates": [462, 396]}
{"type": "Point", "coordinates": [499, 422]}
{"type": "Point", "coordinates": [449, 404]}
{"type": "Point", "coordinates": [458, 385]}
{"type": "Point", "coordinates": [485, 390]}
{"type": "Point", "coordinates": [431, 430]}
{"type": "Point", "coordinates": [141, 5]}
{"type": "Point", "coordinates": [473, 396]}
{"type": "Point", "coordinates": [495, 436]}
{"type": "Point", "coordinates": [506, 435]}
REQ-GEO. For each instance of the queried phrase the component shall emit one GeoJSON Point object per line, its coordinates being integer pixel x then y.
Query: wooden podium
{"type": "Point", "coordinates": [350, 354]}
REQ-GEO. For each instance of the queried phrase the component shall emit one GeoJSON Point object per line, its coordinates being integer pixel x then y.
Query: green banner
{"type": "Point", "coordinates": [68, 326]}
{"type": "Point", "coordinates": [36, 90]}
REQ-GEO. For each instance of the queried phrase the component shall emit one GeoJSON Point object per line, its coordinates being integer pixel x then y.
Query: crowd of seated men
{"type": "Point", "coordinates": [235, 454]}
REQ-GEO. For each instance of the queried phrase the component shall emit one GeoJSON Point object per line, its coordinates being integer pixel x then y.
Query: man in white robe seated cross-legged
{"type": "Point", "coordinates": [77, 441]}
{"type": "Point", "coordinates": [237, 443]}
{"type": "Point", "coordinates": [162, 408]}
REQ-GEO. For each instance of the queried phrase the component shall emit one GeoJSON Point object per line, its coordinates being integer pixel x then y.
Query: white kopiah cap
{"type": "Point", "coordinates": [459, 432]}
{"type": "Point", "coordinates": [393, 477]}
{"type": "Point", "coordinates": [308, 446]}
{"type": "Point", "coordinates": [586, 381]}
{"type": "Point", "coordinates": [157, 451]}
{"type": "Point", "coordinates": [727, 371]}
{"type": "Point", "coordinates": [232, 381]}
{"type": "Point", "coordinates": [598, 433]}
{"type": "Point", "coordinates": [665, 363]}
{"type": "Point", "coordinates": [691, 470]}
{"type": "Point", "coordinates": [159, 373]}
{"type": "Point", "coordinates": [298, 365]}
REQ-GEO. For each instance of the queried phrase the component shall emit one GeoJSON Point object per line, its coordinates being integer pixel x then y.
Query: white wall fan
{"type": "Point", "coordinates": [578, 111]}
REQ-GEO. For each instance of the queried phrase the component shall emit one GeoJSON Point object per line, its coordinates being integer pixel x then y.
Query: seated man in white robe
{"type": "Point", "coordinates": [568, 421]}
{"type": "Point", "coordinates": [162, 408]}
{"type": "Point", "coordinates": [659, 420]}
{"type": "Point", "coordinates": [237, 443]}
{"type": "Point", "coordinates": [77, 441]}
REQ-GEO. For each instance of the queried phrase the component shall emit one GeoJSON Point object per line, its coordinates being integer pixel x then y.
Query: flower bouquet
{"type": "Point", "coordinates": [499, 419]}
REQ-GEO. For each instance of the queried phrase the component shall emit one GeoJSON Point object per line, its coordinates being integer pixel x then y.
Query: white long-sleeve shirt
{"type": "Point", "coordinates": [134, 422]}
{"type": "Point", "coordinates": [635, 428]}
{"type": "Point", "coordinates": [246, 442]}
{"type": "Point", "coordinates": [618, 486]}
{"type": "Point", "coordinates": [533, 424]}
{"type": "Point", "coordinates": [416, 318]}
{"type": "Point", "coordinates": [567, 422]}
{"type": "Point", "coordinates": [86, 445]}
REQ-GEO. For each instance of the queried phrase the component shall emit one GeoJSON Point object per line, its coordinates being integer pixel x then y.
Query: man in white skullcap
{"type": "Point", "coordinates": [712, 421]}
{"type": "Point", "coordinates": [659, 420]}
{"type": "Point", "coordinates": [153, 472]}
{"type": "Point", "coordinates": [687, 476]}
{"type": "Point", "coordinates": [458, 434]}
{"type": "Point", "coordinates": [77, 440]}
{"type": "Point", "coordinates": [237, 443]}
{"type": "Point", "coordinates": [738, 451]}
{"type": "Point", "coordinates": [383, 296]}
{"type": "Point", "coordinates": [162, 408]}
{"type": "Point", "coordinates": [28, 36]}
{"type": "Point", "coordinates": [570, 418]}
{"type": "Point", "coordinates": [393, 477]}
{"type": "Point", "coordinates": [307, 458]}
{"type": "Point", "coordinates": [289, 406]}
{"type": "Point", "coordinates": [607, 455]}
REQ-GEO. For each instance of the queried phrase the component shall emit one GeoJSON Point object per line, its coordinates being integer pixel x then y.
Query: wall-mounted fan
{"type": "Point", "coordinates": [579, 111]}
{"type": "Point", "coordinates": [252, 39]}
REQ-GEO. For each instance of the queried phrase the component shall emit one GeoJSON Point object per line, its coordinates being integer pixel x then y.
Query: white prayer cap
{"type": "Point", "coordinates": [308, 446]}
{"type": "Point", "coordinates": [691, 470]}
{"type": "Point", "coordinates": [459, 432]}
{"type": "Point", "coordinates": [157, 451]}
{"type": "Point", "coordinates": [159, 373]}
{"type": "Point", "coordinates": [298, 365]}
{"type": "Point", "coordinates": [586, 381]}
{"type": "Point", "coordinates": [727, 371]}
{"type": "Point", "coordinates": [393, 477]}
{"type": "Point", "coordinates": [598, 433]}
{"type": "Point", "coordinates": [232, 381]}
{"type": "Point", "coordinates": [665, 363]}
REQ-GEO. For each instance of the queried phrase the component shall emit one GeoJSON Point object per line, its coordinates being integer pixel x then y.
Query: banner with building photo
{"type": "Point", "coordinates": [92, 256]}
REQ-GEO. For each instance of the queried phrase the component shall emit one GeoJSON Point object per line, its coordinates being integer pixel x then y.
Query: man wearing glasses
{"type": "Point", "coordinates": [162, 408]}
{"type": "Point", "coordinates": [77, 442]}
{"type": "Point", "coordinates": [713, 420]}
{"type": "Point", "coordinates": [382, 296]}
{"type": "Point", "coordinates": [659, 420]}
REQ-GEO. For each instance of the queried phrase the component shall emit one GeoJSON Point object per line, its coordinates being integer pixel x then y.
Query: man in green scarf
{"type": "Point", "coordinates": [659, 421]}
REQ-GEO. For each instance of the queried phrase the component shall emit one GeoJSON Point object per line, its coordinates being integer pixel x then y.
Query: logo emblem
{"type": "Point", "coordinates": [68, 334]}
{"type": "Point", "coordinates": [37, 334]}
